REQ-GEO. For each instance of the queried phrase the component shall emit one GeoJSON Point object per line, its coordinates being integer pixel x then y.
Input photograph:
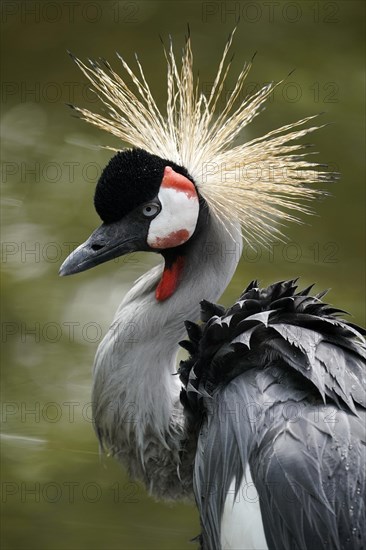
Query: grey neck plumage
{"type": "Point", "coordinates": [137, 413]}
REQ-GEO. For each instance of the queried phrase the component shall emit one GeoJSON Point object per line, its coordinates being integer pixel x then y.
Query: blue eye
{"type": "Point", "coordinates": [150, 210]}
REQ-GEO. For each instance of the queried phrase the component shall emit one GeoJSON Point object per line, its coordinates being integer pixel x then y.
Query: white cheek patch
{"type": "Point", "coordinates": [177, 220]}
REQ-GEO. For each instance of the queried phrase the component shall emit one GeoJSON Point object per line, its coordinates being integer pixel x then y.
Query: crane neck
{"type": "Point", "coordinates": [135, 394]}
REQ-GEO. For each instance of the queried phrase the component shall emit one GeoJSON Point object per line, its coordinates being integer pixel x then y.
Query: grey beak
{"type": "Point", "coordinates": [105, 243]}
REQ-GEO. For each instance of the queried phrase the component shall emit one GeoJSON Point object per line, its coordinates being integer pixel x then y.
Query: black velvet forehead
{"type": "Point", "coordinates": [131, 178]}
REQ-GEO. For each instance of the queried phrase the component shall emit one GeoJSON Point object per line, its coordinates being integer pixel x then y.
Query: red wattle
{"type": "Point", "coordinates": [169, 280]}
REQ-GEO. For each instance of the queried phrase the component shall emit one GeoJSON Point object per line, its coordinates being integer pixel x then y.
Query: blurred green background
{"type": "Point", "coordinates": [57, 493]}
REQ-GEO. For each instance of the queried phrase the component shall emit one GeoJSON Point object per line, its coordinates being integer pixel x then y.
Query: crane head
{"type": "Point", "coordinates": [149, 203]}
{"type": "Point", "coordinates": [146, 203]}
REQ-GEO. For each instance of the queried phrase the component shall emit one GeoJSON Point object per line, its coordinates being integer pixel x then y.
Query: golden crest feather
{"type": "Point", "coordinates": [258, 183]}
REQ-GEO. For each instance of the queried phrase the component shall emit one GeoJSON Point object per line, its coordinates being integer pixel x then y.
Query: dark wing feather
{"type": "Point", "coordinates": [280, 349]}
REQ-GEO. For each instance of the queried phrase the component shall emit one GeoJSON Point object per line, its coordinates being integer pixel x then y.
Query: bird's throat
{"type": "Point", "coordinates": [170, 279]}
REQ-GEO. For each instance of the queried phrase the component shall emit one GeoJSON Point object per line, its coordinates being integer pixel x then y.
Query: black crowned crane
{"type": "Point", "coordinates": [265, 425]}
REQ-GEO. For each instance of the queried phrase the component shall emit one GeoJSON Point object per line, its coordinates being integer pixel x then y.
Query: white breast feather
{"type": "Point", "coordinates": [241, 524]}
